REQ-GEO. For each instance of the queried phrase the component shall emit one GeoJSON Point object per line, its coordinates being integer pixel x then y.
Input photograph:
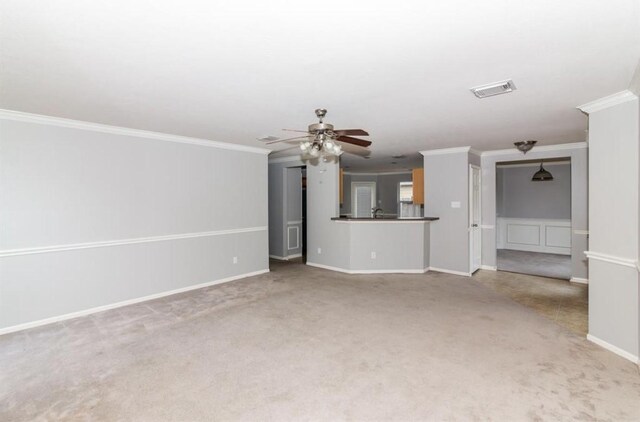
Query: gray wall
{"type": "Point", "coordinates": [400, 246]}
{"type": "Point", "coordinates": [327, 241]}
{"type": "Point", "coordinates": [277, 210]}
{"type": "Point", "coordinates": [500, 212]}
{"type": "Point", "coordinates": [446, 180]}
{"type": "Point", "coordinates": [579, 211]}
{"type": "Point", "coordinates": [386, 190]}
{"type": "Point", "coordinates": [519, 197]}
{"type": "Point", "coordinates": [161, 204]}
{"type": "Point", "coordinates": [614, 165]}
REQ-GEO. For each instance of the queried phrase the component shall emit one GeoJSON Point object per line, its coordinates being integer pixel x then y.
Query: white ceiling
{"type": "Point", "coordinates": [237, 70]}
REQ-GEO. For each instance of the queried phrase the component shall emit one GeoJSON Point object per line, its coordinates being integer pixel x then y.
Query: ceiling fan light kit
{"type": "Point", "coordinates": [322, 139]}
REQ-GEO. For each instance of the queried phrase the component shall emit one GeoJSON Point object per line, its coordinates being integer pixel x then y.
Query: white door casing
{"type": "Point", "coordinates": [475, 232]}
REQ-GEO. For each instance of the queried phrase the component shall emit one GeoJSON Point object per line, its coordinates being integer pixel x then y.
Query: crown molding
{"type": "Point", "coordinates": [118, 130]}
{"type": "Point", "coordinates": [286, 159]}
{"type": "Point", "coordinates": [608, 101]}
{"type": "Point", "coordinates": [536, 164]}
{"type": "Point", "coordinates": [543, 148]}
{"type": "Point", "coordinates": [443, 151]}
{"type": "Point", "coordinates": [382, 173]}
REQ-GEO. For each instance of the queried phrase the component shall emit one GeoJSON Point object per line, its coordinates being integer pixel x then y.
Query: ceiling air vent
{"type": "Point", "coordinates": [495, 88]}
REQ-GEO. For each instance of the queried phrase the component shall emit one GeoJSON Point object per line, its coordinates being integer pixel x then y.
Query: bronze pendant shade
{"type": "Point", "coordinates": [541, 175]}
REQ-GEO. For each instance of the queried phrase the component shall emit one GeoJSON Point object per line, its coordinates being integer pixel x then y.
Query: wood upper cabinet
{"type": "Point", "coordinates": [418, 186]}
{"type": "Point", "coordinates": [341, 186]}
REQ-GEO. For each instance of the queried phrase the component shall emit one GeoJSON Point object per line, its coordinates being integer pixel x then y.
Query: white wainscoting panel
{"type": "Point", "coordinates": [522, 234]}
{"type": "Point", "coordinates": [558, 236]}
{"type": "Point", "coordinates": [293, 237]}
{"type": "Point", "coordinates": [534, 235]}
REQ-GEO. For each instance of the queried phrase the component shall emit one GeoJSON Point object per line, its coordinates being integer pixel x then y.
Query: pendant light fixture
{"type": "Point", "coordinates": [541, 175]}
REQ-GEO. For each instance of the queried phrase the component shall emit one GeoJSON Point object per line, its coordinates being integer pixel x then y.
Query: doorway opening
{"type": "Point", "coordinates": [363, 197]}
{"type": "Point", "coordinates": [534, 212]}
{"type": "Point", "coordinates": [533, 217]}
{"type": "Point", "coordinates": [295, 213]}
{"type": "Point", "coordinates": [475, 218]}
{"type": "Point", "coordinates": [304, 215]}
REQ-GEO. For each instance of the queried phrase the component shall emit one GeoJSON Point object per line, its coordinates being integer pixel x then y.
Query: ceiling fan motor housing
{"type": "Point", "coordinates": [320, 127]}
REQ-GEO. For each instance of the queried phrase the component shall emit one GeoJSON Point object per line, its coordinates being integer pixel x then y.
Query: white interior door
{"type": "Point", "coordinates": [363, 199]}
{"type": "Point", "coordinates": [475, 233]}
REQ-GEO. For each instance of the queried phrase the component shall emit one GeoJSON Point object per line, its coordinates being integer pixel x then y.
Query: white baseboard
{"type": "Point", "coordinates": [328, 267]}
{"type": "Point", "coordinates": [442, 270]}
{"type": "Point", "coordinates": [97, 309]}
{"type": "Point", "coordinates": [342, 270]}
{"type": "Point", "coordinates": [618, 351]}
{"type": "Point", "coordinates": [489, 267]}
{"type": "Point", "coordinates": [389, 271]}
{"type": "Point", "coordinates": [285, 258]}
{"type": "Point", "coordinates": [579, 280]}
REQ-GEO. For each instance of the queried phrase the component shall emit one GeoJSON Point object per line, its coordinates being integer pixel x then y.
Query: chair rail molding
{"type": "Point", "coordinates": [612, 259]}
{"type": "Point", "coordinates": [120, 242]}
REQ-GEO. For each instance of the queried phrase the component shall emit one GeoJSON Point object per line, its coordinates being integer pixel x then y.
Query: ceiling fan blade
{"type": "Point", "coordinates": [356, 150]}
{"type": "Point", "coordinates": [354, 141]}
{"type": "Point", "coordinates": [288, 139]}
{"type": "Point", "coordinates": [357, 132]}
{"type": "Point", "coordinates": [295, 130]}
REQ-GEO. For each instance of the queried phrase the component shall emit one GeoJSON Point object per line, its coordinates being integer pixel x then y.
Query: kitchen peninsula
{"type": "Point", "coordinates": [386, 245]}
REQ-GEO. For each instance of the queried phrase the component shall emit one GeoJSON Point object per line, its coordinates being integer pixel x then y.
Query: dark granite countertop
{"type": "Point", "coordinates": [382, 219]}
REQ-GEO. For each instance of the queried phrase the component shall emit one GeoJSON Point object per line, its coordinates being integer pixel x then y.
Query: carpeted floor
{"type": "Point", "coordinates": [303, 343]}
{"type": "Point", "coordinates": [559, 300]}
{"type": "Point", "coordinates": [535, 263]}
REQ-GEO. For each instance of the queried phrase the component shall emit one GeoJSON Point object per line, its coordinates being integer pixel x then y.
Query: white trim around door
{"type": "Point", "coordinates": [475, 218]}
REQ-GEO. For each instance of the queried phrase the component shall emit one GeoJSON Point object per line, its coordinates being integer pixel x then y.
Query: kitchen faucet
{"type": "Point", "coordinates": [376, 211]}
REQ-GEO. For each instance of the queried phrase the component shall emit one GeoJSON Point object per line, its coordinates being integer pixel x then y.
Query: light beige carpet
{"type": "Point", "coordinates": [535, 263]}
{"type": "Point", "coordinates": [303, 343]}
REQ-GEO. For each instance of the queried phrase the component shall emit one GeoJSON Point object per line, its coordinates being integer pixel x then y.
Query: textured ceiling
{"type": "Point", "coordinates": [237, 70]}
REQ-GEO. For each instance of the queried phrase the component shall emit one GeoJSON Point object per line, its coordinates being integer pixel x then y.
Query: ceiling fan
{"type": "Point", "coordinates": [322, 137]}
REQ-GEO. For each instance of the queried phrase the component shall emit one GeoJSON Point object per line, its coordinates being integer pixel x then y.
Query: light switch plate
{"type": "Point", "coordinates": [455, 204]}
